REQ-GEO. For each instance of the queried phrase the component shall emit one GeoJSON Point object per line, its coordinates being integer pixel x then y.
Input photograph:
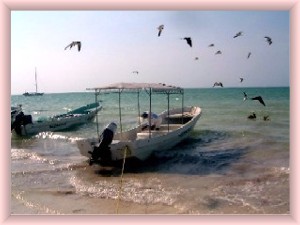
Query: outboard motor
{"type": "Point", "coordinates": [102, 151]}
{"type": "Point", "coordinates": [20, 120]}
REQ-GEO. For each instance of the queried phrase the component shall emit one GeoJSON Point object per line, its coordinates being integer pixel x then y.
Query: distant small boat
{"type": "Point", "coordinates": [36, 93]}
{"type": "Point", "coordinates": [24, 126]}
{"type": "Point", "coordinates": [33, 94]}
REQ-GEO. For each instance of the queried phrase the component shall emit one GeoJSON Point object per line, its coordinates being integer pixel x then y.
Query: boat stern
{"type": "Point", "coordinates": [85, 146]}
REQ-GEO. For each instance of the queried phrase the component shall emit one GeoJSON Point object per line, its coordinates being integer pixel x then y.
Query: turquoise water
{"type": "Point", "coordinates": [229, 164]}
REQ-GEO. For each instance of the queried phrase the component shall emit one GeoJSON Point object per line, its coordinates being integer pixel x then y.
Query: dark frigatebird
{"type": "Point", "coordinates": [249, 54]}
{"type": "Point", "coordinates": [269, 40]}
{"type": "Point", "coordinates": [78, 43]}
{"type": "Point", "coordinates": [259, 98]}
{"type": "Point", "coordinates": [238, 34]}
{"type": "Point", "coordinates": [218, 84]}
{"type": "Point", "coordinates": [160, 28]}
{"type": "Point", "coordinates": [188, 41]}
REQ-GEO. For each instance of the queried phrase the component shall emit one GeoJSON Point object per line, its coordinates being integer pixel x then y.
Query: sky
{"type": "Point", "coordinates": [116, 43]}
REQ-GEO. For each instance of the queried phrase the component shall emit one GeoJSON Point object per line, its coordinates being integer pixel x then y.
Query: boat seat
{"type": "Point", "coordinates": [188, 114]}
{"type": "Point", "coordinates": [154, 133]}
{"type": "Point", "coordinates": [164, 127]}
{"type": "Point", "coordinates": [179, 115]}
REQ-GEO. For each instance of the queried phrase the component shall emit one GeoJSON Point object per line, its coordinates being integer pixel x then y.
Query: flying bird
{"type": "Point", "coordinates": [241, 80]}
{"type": "Point", "coordinates": [245, 96]}
{"type": "Point", "coordinates": [218, 84]}
{"type": "Point", "coordinates": [259, 98]}
{"type": "Point", "coordinates": [196, 58]}
{"type": "Point", "coordinates": [160, 28]}
{"type": "Point", "coordinates": [249, 54]}
{"type": "Point", "coordinates": [137, 72]}
{"type": "Point", "coordinates": [238, 34]}
{"type": "Point", "coordinates": [218, 52]}
{"type": "Point", "coordinates": [78, 43]}
{"type": "Point", "coordinates": [188, 41]}
{"type": "Point", "coordinates": [211, 45]}
{"type": "Point", "coordinates": [269, 40]}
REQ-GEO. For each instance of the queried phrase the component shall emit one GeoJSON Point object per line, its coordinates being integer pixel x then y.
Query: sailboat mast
{"type": "Point", "coordinates": [36, 88]}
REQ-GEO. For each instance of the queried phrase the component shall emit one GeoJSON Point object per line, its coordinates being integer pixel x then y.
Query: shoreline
{"type": "Point", "coordinates": [266, 191]}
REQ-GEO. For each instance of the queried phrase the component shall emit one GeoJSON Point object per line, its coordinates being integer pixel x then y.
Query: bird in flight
{"type": "Point", "coordinates": [269, 40]}
{"type": "Point", "coordinates": [218, 52]}
{"type": "Point", "coordinates": [245, 96]}
{"type": "Point", "coordinates": [249, 54]}
{"type": "Point", "coordinates": [241, 80]}
{"type": "Point", "coordinates": [238, 34]}
{"type": "Point", "coordinates": [211, 45]}
{"type": "Point", "coordinates": [137, 72]}
{"type": "Point", "coordinates": [160, 28]}
{"type": "Point", "coordinates": [78, 43]}
{"type": "Point", "coordinates": [218, 84]}
{"type": "Point", "coordinates": [259, 98]}
{"type": "Point", "coordinates": [188, 41]}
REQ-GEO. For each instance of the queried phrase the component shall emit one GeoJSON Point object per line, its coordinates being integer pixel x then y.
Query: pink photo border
{"type": "Point", "coordinates": [6, 6]}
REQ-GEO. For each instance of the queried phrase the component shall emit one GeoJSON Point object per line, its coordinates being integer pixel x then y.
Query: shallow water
{"type": "Point", "coordinates": [229, 164]}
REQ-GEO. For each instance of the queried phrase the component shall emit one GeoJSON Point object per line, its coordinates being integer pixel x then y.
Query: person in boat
{"type": "Point", "coordinates": [155, 120]}
{"type": "Point", "coordinates": [20, 119]}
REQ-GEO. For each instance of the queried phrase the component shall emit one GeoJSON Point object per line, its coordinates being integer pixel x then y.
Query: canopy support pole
{"type": "Point", "coordinates": [96, 100]}
{"type": "Point", "coordinates": [139, 110]}
{"type": "Point", "coordinates": [120, 112]}
{"type": "Point", "coordinates": [168, 112]}
{"type": "Point", "coordinates": [150, 112]}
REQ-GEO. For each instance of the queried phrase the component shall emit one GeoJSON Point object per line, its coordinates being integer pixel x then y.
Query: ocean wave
{"type": "Point", "coordinates": [149, 191]}
{"type": "Point", "coordinates": [21, 154]}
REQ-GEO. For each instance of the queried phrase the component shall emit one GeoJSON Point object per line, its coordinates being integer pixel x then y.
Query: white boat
{"type": "Point", "coordinates": [138, 143]}
{"type": "Point", "coordinates": [36, 93]}
{"type": "Point", "coordinates": [24, 126]}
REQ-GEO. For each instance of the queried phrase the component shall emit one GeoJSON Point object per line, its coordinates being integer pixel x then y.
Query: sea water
{"type": "Point", "coordinates": [229, 164]}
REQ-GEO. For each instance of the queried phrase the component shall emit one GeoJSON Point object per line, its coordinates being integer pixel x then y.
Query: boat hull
{"type": "Point", "coordinates": [141, 144]}
{"type": "Point", "coordinates": [57, 123]}
{"type": "Point", "coordinates": [33, 94]}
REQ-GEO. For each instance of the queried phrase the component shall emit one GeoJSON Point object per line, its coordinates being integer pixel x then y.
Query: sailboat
{"type": "Point", "coordinates": [36, 93]}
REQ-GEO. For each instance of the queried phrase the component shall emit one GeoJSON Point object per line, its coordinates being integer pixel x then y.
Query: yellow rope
{"type": "Point", "coordinates": [121, 180]}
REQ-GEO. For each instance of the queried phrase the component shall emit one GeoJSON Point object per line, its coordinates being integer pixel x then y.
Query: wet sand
{"type": "Point", "coordinates": [267, 193]}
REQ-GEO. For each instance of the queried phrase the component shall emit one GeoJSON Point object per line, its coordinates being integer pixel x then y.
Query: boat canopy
{"type": "Point", "coordinates": [154, 87]}
{"type": "Point", "coordinates": [150, 88]}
